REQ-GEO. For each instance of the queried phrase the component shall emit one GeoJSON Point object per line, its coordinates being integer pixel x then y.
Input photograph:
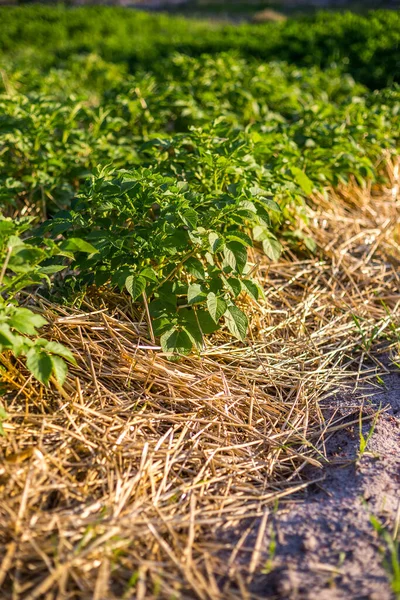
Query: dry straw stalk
{"type": "Point", "coordinates": [137, 478]}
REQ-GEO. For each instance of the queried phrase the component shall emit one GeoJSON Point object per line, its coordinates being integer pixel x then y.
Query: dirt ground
{"type": "Point", "coordinates": [282, 5]}
{"type": "Point", "coordinates": [325, 545]}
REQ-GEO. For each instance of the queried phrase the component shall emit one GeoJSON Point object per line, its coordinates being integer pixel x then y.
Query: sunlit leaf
{"type": "Point", "coordinates": [236, 321]}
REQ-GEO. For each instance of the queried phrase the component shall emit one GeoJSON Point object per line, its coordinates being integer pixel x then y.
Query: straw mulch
{"type": "Point", "coordinates": [126, 482]}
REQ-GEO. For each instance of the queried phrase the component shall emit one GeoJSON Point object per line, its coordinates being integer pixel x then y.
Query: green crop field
{"type": "Point", "coordinates": [138, 167]}
{"type": "Point", "coordinates": [153, 159]}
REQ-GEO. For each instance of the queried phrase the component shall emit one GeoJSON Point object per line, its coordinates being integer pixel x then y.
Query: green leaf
{"type": "Point", "coordinates": [78, 245]}
{"type": "Point", "coordinates": [302, 180]}
{"type": "Point", "coordinates": [310, 243]}
{"type": "Point", "coordinates": [229, 262]}
{"type": "Point", "coordinates": [39, 364]}
{"type": "Point", "coordinates": [176, 241]}
{"type": "Point", "coordinates": [60, 350]}
{"type": "Point", "coordinates": [272, 248]}
{"type": "Point", "coordinates": [159, 308]}
{"type": "Point", "coordinates": [239, 254]}
{"type": "Point", "coordinates": [149, 273]}
{"type": "Point", "coordinates": [248, 206]}
{"type": "Point", "coordinates": [182, 186]}
{"type": "Point", "coordinates": [51, 269]}
{"type": "Point", "coordinates": [216, 306]}
{"type": "Point", "coordinates": [101, 276]}
{"type": "Point", "coordinates": [161, 325]}
{"type": "Point", "coordinates": [207, 324]}
{"type": "Point", "coordinates": [14, 241]}
{"type": "Point", "coordinates": [272, 205]}
{"type": "Point", "coordinates": [190, 324]}
{"type": "Point", "coordinates": [240, 237]}
{"type": "Point", "coordinates": [3, 417]}
{"type": "Point", "coordinates": [251, 288]}
{"type": "Point", "coordinates": [216, 243]}
{"type": "Point", "coordinates": [6, 225]}
{"type": "Point", "coordinates": [60, 369]}
{"type": "Point", "coordinates": [166, 295]}
{"type": "Point", "coordinates": [261, 292]}
{"type": "Point", "coordinates": [195, 294]}
{"type": "Point", "coordinates": [118, 277]}
{"type": "Point", "coordinates": [176, 341]}
{"type": "Point", "coordinates": [264, 199]}
{"type": "Point", "coordinates": [25, 321]}
{"type": "Point", "coordinates": [24, 258]}
{"type": "Point", "coordinates": [135, 285]}
{"type": "Point", "coordinates": [236, 321]}
{"type": "Point", "coordinates": [255, 190]}
{"type": "Point", "coordinates": [189, 217]}
{"type": "Point", "coordinates": [194, 267]}
{"type": "Point", "coordinates": [233, 285]}
{"type": "Point", "coordinates": [7, 338]}
{"type": "Point", "coordinates": [260, 233]}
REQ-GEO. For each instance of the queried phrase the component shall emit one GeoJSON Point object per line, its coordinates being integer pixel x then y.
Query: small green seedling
{"type": "Point", "coordinates": [390, 552]}
{"type": "Point", "coordinates": [364, 440]}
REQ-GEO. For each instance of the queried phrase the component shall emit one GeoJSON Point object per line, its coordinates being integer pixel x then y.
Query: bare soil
{"type": "Point", "coordinates": [326, 546]}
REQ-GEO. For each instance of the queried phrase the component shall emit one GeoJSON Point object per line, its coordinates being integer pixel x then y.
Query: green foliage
{"type": "Point", "coordinates": [365, 46]}
{"type": "Point", "coordinates": [390, 551]}
{"type": "Point", "coordinates": [3, 417]}
{"type": "Point", "coordinates": [184, 249]}
{"type": "Point", "coordinates": [154, 172]}
{"type": "Point", "coordinates": [303, 128]}
{"type": "Point", "coordinates": [25, 263]}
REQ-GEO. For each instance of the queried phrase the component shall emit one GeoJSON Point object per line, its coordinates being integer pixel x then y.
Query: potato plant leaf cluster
{"type": "Point", "coordinates": [24, 264]}
{"type": "Point", "coordinates": [163, 240]}
{"type": "Point", "coordinates": [149, 154]}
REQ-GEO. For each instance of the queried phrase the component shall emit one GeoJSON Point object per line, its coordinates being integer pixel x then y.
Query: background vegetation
{"type": "Point", "coordinates": [367, 46]}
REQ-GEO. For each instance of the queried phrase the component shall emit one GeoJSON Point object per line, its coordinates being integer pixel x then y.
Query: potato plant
{"type": "Point", "coordinates": [183, 251]}
{"type": "Point", "coordinates": [155, 177]}
{"type": "Point", "coordinates": [25, 264]}
{"type": "Point", "coordinates": [367, 46]}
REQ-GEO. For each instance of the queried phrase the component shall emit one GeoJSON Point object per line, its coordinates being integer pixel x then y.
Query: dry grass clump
{"type": "Point", "coordinates": [127, 482]}
{"type": "Point", "coordinates": [268, 15]}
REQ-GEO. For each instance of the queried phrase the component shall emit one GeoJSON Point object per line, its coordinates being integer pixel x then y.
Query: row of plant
{"type": "Point", "coordinates": [57, 128]}
{"type": "Point", "coordinates": [365, 46]}
{"type": "Point", "coordinates": [158, 185]}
